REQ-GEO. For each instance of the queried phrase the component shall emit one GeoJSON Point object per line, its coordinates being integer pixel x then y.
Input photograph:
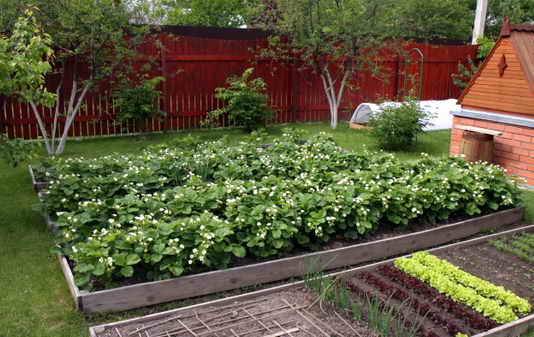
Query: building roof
{"type": "Point", "coordinates": [522, 38]}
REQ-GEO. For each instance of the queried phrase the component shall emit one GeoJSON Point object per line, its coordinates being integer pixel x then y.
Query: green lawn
{"type": "Point", "coordinates": [34, 300]}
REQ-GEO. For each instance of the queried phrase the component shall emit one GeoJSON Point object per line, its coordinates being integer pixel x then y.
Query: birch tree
{"type": "Point", "coordinates": [25, 59]}
{"type": "Point", "coordinates": [86, 45]}
{"type": "Point", "coordinates": [336, 38]}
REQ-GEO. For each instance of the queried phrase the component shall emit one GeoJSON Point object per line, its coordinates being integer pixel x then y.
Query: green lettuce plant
{"type": "Point", "coordinates": [491, 300]}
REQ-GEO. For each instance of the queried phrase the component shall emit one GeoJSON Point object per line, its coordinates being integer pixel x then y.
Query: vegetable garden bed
{"type": "Point", "coordinates": [369, 278]}
{"type": "Point", "coordinates": [149, 293]}
{"type": "Point", "coordinates": [148, 228]}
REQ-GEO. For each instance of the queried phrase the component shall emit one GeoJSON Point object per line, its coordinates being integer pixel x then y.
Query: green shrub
{"type": "Point", "coordinates": [396, 128]}
{"type": "Point", "coordinates": [465, 73]}
{"type": "Point", "coordinates": [247, 105]}
{"type": "Point", "coordinates": [16, 151]}
{"type": "Point", "coordinates": [140, 102]}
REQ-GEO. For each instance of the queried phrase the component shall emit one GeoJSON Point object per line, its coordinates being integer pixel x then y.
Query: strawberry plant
{"type": "Point", "coordinates": [290, 193]}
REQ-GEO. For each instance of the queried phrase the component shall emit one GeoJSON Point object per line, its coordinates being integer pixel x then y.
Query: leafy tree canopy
{"type": "Point", "coordinates": [336, 38]}
{"type": "Point", "coordinates": [435, 19]}
{"type": "Point", "coordinates": [519, 11]}
{"type": "Point", "coordinates": [212, 13]}
{"type": "Point", "coordinates": [94, 33]}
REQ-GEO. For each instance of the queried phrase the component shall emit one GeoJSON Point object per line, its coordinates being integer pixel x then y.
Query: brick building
{"type": "Point", "coordinates": [499, 102]}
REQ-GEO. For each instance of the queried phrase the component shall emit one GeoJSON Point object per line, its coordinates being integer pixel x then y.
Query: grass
{"type": "Point", "coordinates": [34, 299]}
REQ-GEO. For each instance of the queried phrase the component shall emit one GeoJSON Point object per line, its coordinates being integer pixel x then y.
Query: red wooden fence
{"type": "Point", "coordinates": [196, 61]}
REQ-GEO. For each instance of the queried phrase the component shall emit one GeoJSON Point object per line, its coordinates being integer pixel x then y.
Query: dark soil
{"type": "Point", "coordinates": [437, 315]}
{"type": "Point", "coordinates": [440, 315]}
{"type": "Point", "coordinates": [267, 315]}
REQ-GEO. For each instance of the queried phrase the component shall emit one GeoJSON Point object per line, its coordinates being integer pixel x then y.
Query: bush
{"type": "Point", "coordinates": [138, 103]}
{"type": "Point", "coordinates": [465, 73]}
{"type": "Point", "coordinates": [16, 151]}
{"type": "Point", "coordinates": [170, 211]}
{"type": "Point", "coordinates": [247, 105]}
{"type": "Point", "coordinates": [396, 128]}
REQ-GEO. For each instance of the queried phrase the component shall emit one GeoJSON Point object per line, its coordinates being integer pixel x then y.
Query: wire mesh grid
{"type": "Point", "coordinates": [264, 317]}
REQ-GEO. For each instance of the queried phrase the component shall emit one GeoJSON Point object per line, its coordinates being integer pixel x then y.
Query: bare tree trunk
{"type": "Point", "coordinates": [56, 117]}
{"type": "Point", "coordinates": [72, 112]}
{"type": "Point", "coordinates": [42, 128]}
{"type": "Point", "coordinates": [334, 98]}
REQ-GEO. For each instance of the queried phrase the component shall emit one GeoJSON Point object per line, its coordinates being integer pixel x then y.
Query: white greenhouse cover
{"type": "Point", "coordinates": [440, 111]}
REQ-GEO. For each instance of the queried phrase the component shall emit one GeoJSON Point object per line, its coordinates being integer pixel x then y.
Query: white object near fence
{"type": "Point", "coordinates": [440, 111]}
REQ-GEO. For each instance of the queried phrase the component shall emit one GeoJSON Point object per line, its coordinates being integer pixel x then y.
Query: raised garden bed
{"type": "Point", "coordinates": [149, 293]}
{"type": "Point", "coordinates": [38, 185]}
{"type": "Point", "coordinates": [458, 314]}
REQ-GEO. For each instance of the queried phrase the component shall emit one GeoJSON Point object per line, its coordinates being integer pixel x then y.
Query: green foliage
{"type": "Point", "coordinates": [213, 13]}
{"type": "Point", "coordinates": [139, 102]}
{"type": "Point", "coordinates": [434, 19]}
{"type": "Point", "coordinates": [25, 59]}
{"type": "Point", "coordinates": [486, 44]}
{"type": "Point", "coordinates": [85, 29]}
{"type": "Point", "coordinates": [88, 32]}
{"type": "Point", "coordinates": [396, 128]}
{"type": "Point", "coordinates": [270, 199]}
{"type": "Point", "coordinates": [519, 11]}
{"type": "Point", "coordinates": [335, 39]}
{"type": "Point", "coordinates": [247, 104]}
{"type": "Point", "coordinates": [16, 151]}
{"type": "Point", "coordinates": [465, 73]}
{"type": "Point", "coordinates": [521, 246]}
{"type": "Point", "coordinates": [493, 301]}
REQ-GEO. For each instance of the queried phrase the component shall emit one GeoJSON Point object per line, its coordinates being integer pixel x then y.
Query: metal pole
{"type": "Point", "coordinates": [480, 20]}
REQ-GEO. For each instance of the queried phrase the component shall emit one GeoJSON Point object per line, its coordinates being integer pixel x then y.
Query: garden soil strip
{"type": "Point", "coordinates": [286, 313]}
{"type": "Point", "coordinates": [150, 293]}
{"type": "Point", "coordinates": [135, 323]}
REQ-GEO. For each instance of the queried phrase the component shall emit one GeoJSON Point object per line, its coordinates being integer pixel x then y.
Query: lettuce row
{"type": "Point", "coordinates": [481, 286]}
{"type": "Point", "coordinates": [438, 276]}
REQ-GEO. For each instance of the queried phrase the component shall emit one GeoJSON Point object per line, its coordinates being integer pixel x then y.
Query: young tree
{"type": "Point", "coordinates": [336, 38]}
{"type": "Point", "coordinates": [83, 34]}
{"type": "Point", "coordinates": [25, 59]}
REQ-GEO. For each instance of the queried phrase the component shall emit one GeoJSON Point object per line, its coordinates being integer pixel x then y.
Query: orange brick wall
{"type": "Point", "coordinates": [514, 149]}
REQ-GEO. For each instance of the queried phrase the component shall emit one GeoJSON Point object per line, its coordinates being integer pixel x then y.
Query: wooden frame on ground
{"type": "Point", "coordinates": [37, 185]}
{"type": "Point", "coordinates": [510, 329]}
{"type": "Point", "coordinates": [156, 292]}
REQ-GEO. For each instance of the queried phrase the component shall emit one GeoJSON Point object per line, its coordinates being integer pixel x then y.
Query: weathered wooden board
{"type": "Point", "coordinates": [67, 272]}
{"type": "Point", "coordinates": [512, 329]}
{"type": "Point", "coordinates": [37, 185]}
{"type": "Point", "coordinates": [343, 274]}
{"type": "Point", "coordinates": [149, 293]}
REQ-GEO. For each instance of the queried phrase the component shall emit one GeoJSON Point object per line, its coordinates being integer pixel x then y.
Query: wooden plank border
{"type": "Point", "coordinates": [37, 185]}
{"type": "Point", "coordinates": [69, 277]}
{"type": "Point", "coordinates": [156, 292]}
{"type": "Point", "coordinates": [344, 274]}
{"type": "Point", "coordinates": [512, 329]}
